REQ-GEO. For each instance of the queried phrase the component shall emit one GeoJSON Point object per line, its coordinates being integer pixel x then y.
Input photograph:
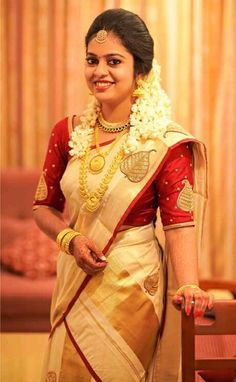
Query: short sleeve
{"type": "Point", "coordinates": [48, 192]}
{"type": "Point", "coordinates": [174, 186]}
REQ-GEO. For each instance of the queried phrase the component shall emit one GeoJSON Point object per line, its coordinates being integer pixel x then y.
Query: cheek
{"type": "Point", "coordinates": [126, 78]}
{"type": "Point", "coordinates": [130, 80]}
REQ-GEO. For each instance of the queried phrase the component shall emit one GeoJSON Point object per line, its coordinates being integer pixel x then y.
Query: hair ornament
{"type": "Point", "coordinates": [101, 36]}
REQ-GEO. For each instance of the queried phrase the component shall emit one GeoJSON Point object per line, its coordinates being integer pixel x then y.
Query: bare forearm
{"type": "Point", "coordinates": [49, 221]}
{"type": "Point", "coordinates": [182, 248]}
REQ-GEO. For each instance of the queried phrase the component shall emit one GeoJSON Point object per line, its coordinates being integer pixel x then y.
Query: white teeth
{"type": "Point", "coordinates": [104, 84]}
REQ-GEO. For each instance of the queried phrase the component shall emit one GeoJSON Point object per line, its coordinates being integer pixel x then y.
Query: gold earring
{"type": "Point", "coordinates": [143, 85]}
{"type": "Point", "coordinates": [139, 88]}
{"type": "Point", "coordinates": [138, 92]}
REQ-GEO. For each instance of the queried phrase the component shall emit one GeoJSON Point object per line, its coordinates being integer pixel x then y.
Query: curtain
{"type": "Point", "coordinates": [42, 81]}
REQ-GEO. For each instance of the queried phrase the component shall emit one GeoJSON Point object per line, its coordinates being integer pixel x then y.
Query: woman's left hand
{"type": "Point", "coordinates": [195, 300]}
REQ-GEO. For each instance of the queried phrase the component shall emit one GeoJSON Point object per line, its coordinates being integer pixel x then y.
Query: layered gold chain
{"type": "Point", "coordinates": [93, 198]}
{"type": "Point", "coordinates": [97, 162]}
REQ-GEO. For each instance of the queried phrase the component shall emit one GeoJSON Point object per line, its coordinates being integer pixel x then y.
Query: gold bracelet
{"type": "Point", "coordinates": [64, 238]}
{"type": "Point", "coordinates": [65, 245]}
{"type": "Point", "coordinates": [61, 235]}
{"type": "Point", "coordinates": [193, 286]}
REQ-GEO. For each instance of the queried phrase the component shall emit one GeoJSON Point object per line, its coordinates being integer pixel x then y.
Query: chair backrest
{"type": "Point", "coordinates": [221, 322]}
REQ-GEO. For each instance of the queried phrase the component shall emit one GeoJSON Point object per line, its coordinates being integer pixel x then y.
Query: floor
{"type": "Point", "coordinates": [22, 356]}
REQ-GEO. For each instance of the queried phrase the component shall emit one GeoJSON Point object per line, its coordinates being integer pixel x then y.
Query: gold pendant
{"type": "Point", "coordinates": [92, 203]}
{"type": "Point", "coordinates": [96, 164]}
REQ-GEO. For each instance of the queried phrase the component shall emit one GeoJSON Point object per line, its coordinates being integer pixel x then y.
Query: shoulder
{"type": "Point", "coordinates": [63, 128]}
{"type": "Point", "coordinates": [181, 151]}
{"type": "Point", "coordinates": [174, 134]}
{"type": "Point", "coordinates": [60, 134]}
{"type": "Point", "coordinates": [76, 120]}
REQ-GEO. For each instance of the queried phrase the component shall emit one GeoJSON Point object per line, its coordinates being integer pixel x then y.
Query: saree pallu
{"type": "Point", "coordinates": [113, 325]}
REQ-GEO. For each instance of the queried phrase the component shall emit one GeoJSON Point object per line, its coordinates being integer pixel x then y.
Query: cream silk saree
{"type": "Point", "coordinates": [107, 327]}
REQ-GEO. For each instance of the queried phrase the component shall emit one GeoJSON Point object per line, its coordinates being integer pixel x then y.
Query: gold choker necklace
{"type": "Point", "coordinates": [112, 127]}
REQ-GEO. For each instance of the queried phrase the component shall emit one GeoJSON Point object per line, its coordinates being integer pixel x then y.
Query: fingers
{"type": "Point", "coordinates": [86, 255]}
{"type": "Point", "coordinates": [87, 260]}
{"type": "Point", "coordinates": [211, 301]}
{"type": "Point", "coordinates": [195, 301]}
{"type": "Point", "coordinates": [178, 301]}
{"type": "Point", "coordinates": [200, 303]}
{"type": "Point", "coordinates": [89, 269]}
{"type": "Point", "coordinates": [96, 253]}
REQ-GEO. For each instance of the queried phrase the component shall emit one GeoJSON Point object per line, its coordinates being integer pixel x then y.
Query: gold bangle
{"type": "Point", "coordinates": [65, 245]}
{"type": "Point", "coordinates": [64, 238]}
{"type": "Point", "coordinates": [61, 235]}
{"type": "Point", "coordinates": [193, 286]}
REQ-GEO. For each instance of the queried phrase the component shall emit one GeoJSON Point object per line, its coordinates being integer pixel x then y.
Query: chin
{"type": "Point", "coordinates": [104, 97]}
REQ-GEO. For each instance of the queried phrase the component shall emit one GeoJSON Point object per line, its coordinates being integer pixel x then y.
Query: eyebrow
{"type": "Point", "coordinates": [106, 55]}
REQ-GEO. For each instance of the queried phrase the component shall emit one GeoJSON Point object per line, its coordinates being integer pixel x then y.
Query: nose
{"type": "Point", "coordinates": [101, 69]}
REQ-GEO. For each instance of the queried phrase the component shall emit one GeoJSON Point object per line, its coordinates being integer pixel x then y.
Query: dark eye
{"type": "Point", "coordinates": [114, 61]}
{"type": "Point", "coordinates": [91, 61]}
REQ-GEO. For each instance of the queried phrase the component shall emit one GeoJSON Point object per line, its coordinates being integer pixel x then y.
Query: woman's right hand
{"type": "Point", "coordinates": [87, 255]}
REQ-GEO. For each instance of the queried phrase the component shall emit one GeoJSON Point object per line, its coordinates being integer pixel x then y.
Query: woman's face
{"type": "Point", "coordinates": [109, 71]}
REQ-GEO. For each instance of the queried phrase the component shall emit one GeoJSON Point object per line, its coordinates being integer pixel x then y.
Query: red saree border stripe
{"type": "Point", "coordinates": [70, 305]}
{"type": "Point", "coordinates": [140, 194]}
{"type": "Point", "coordinates": [84, 359]}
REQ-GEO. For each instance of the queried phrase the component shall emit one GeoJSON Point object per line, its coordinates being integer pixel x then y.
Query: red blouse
{"type": "Point", "coordinates": [163, 192]}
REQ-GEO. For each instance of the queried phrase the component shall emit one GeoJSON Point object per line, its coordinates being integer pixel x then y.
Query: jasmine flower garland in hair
{"type": "Point", "coordinates": [150, 114]}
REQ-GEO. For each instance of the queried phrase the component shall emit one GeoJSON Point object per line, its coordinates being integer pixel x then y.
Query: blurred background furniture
{"type": "Point", "coordinates": [209, 342]}
{"type": "Point", "coordinates": [28, 257]}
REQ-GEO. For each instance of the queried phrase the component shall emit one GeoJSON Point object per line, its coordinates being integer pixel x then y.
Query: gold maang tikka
{"type": "Point", "coordinates": [101, 36]}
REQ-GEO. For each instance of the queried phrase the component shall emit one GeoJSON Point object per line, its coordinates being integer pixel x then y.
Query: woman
{"type": "Point", "coordinates": [115, 165]}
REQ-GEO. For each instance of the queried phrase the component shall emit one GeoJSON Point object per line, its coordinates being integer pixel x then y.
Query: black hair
{"type": "Point", "coordinates": [133, 33]}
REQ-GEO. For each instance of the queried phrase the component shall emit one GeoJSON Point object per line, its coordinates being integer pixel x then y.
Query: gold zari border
{"type": "Point", "coordinates": [179, 225]}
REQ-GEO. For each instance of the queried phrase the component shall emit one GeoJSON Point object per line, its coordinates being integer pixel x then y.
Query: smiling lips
{"type": "Point", "coordinates": [102, 85]}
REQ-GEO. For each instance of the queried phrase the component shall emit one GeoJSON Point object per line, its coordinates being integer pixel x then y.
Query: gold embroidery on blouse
{"type": "Point", "coordinates": [151, 283]}
{"type": "Point", "coordinates": [135, 166]}
{"type": "Point", "coordinates": [185, 198]}
{"type": "Point", "coordinates": [42, 190]}
{"type": "Point", "coordinates": [174, 128]}
{"type": "Point", "coordinates": [51, 376]}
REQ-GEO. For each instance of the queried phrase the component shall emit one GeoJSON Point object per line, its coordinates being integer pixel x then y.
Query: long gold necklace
{"type": "Point", "coordinates": [93, 198]}
{"type": "Point", "coordinates": [112, 127]}
{"type": "Point", "coordinates": [97, 162]}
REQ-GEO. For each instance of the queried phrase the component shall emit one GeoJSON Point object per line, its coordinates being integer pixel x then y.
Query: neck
{"type": "Point", "coordinates": [116, 113]}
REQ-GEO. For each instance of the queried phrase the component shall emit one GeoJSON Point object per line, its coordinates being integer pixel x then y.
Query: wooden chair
{"type": "Point", "coordinates": [215, 332]}
{"type": "Point", "coordinates": [229, 285]}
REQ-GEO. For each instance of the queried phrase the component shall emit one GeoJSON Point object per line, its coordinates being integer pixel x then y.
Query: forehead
{"type": "Point", "coordinates": [111, 45]}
